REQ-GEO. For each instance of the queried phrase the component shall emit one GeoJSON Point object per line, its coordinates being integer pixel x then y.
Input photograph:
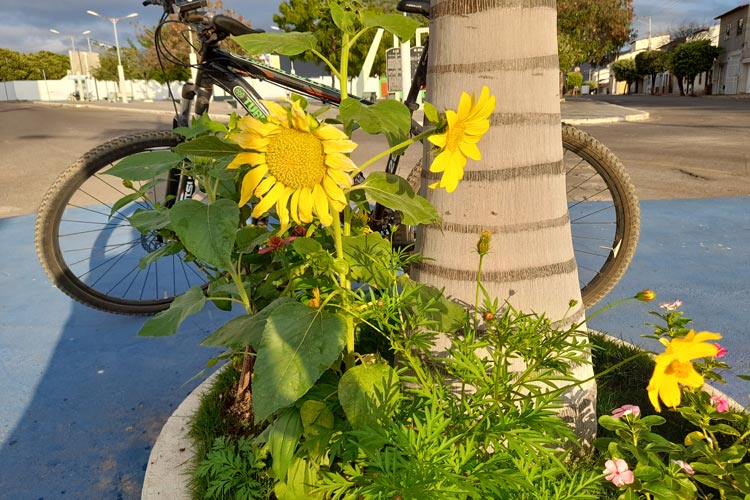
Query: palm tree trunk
{"type": "Point", "coordinates": [517, 191]}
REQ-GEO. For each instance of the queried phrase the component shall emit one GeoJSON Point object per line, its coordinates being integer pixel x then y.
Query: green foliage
{"type": "Point", "coordinates": [650, 62]}
{"type": "Point", "coordinates": [316, 17]}
{"type": "Point", "coordinates": [36, 66]}
{"type": "Point", "coordinates": [591, 30]}
{"type": "Point", "coordinates": [690, 59]}
{"type": "Point", "coordinates": [131, 65]}
{"type": "Point", "coordinates": [574, 80]}
{"type": "Point", "coordinates": [233, 470]}
{"type": "Point", "coordinates": [625, 70]}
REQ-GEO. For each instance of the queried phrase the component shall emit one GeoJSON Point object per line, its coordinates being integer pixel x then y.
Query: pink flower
{"type": "Point", "coordinates": [722, 404]}
{"type": "Point", "coordinates": [626, 410]}
{"type": "Point", "coordinates": [720, 351]}
{"type": "Point", "coordinates": [685, 467]}
{"type": "Point", "coordinates": [617, 472]}
{"type": "Point", "coordinates": [671, 306]}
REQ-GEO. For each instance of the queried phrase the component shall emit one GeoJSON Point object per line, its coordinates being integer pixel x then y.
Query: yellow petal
{"type": "Point", "coordinates": [464, 106]}
{"type": "Point", "coordinates": [477, 127]}
{"type": "Point", "coordinates": [340, 162]}
{"type": "Point", "coordinates": [305, 205]}
{"type": "Point", "coordinates": [704, 336]}
{"type": "Point", "coordinates": [440, 163]}
{"type": "Point", "coordinates": [242, 159]}
{"type": "Point", "coordinates": [250, 183]}
{"type": "Point", "coordinates": [470, 150]}
{"type": "Point", "coordinates": [328, 132]}
{"type": "Point", "coordinates": [438, 140]}
{"type": "Point", "coordinates": [339, 146]}
{"type": "Point", "coordinates": [669, 392]}
{"type": "Point", "coordinates": [341, 178]}
{"type": "Point", "coordinates": [277, 113]}
{"type": "Point", "coordinates": [294, 206]}
{"type": "Point", "coordinates": [282, 210]}
{"type": "Point", "coordinates": [335, 194]}
{"type": "Point", "coordinates": [265, 185]}
{"type": "Point", "coordinates": [268, 201]}
{"type": "Point", "coordinates": [320, 200]}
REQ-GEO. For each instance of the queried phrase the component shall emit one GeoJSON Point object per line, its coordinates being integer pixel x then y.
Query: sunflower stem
{"type": "Point", "coordinates": [346, 285]}
{"type": "Point", "coordinates": [395, 148]}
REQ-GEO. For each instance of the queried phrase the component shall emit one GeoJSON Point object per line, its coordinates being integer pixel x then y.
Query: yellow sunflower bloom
{"type": "Point", "coordinates": [674, 367]}
{"type": "Point", "coordinates": [300, 166]}
{"type": "Point", "coordinates": [465, 127]}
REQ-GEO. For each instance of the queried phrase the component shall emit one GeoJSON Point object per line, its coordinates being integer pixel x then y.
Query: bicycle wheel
{"type": "Point", "coordinates": [93, 254]}
{"type": "Point", "coordinates": [604, 213]}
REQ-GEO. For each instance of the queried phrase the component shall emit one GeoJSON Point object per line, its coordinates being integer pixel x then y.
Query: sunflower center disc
{"type": "Point", "coordinates": [296, 159]}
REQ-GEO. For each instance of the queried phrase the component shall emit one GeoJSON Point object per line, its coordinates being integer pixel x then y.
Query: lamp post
{"type": "Point", "coordinates": [120, 70]}
{"type": "Point", "coordinates": [79, 82]}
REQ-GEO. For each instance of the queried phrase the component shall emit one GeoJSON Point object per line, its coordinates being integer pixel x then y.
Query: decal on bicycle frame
{"type": "Point", "coordinates": [248, 102]}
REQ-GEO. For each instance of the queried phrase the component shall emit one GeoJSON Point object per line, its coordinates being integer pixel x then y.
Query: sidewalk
{"type": "Point", "coordinates": [575, 110]}
{"type": "Point", "coordinates": [85, 399]}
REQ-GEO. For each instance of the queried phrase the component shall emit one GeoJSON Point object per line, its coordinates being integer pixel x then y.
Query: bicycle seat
{"type": "Point", "coordinates": [414, 7]}
{"type": "Point", "coordinates": [230, 26]}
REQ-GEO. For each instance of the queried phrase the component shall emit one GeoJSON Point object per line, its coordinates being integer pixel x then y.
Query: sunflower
{"type": "Point", "coordinates": [465, 127]}
{"type": "Point", "coordinates": [674, 367]}
{"type": "Point", "coordinates": [300, 166]}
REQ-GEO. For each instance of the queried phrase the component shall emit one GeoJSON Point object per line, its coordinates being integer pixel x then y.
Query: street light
{"type": "Point", "coordinates": [120, 70]}
{"type": "Point", "coordinates": [79, 82]}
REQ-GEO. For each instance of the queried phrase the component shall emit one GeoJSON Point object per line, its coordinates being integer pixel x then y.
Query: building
{"type": "Point", "coordinates": [731, 73]}
{"type": "Point", "coordinates": [666, 83]}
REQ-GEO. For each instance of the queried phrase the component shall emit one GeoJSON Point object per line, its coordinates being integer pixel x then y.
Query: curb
{"type": "Point", "coordinates": [171, 459]}
{"type": "Point", "coordinates": [213, 116]}
{"type": "Point", "coordinates": [613, 119]}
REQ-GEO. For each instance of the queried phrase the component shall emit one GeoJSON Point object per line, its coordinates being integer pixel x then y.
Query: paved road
{"type": "Point", "coordinates": [690, 147]}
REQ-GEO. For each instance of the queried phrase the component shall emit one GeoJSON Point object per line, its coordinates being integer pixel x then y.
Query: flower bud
{"type": "Point", "coordinates": [127, 183]}
{"type": "Point", "coordinates": [483, 246]}
{"type": "Point", "coordinates": [645, 295]}
{"type": "Point", "coordinates": [489, 316]}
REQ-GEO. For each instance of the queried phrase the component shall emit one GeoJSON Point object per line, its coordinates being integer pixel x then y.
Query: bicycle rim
{"type": "Point", "coordinates": [88, 246]}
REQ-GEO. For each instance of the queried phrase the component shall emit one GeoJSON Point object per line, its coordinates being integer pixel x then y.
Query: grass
{"type": "Point", "coordinates": [624, 385]}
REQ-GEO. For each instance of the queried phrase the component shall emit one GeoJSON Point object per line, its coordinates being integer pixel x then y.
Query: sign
{"type": "Point", "coordinates": [415, 55]}
{"type": "Point", "coordinates": [393, 69]}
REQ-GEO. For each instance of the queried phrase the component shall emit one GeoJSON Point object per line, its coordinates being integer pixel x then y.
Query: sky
{"type": "Point", "coordinates": [25, 24]}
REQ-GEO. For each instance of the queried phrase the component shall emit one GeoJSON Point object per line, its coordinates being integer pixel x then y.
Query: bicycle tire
{"type": "Point", "coordinates": [602, 259]}
{"type": "Point", "coordinates": [76, 212]}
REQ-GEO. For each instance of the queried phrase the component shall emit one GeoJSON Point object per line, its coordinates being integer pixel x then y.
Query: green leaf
{"type": "Point", "coordinates": [299, 343]}
{"type": "Point", "coordinates": [283, 437]}
{"type": "Point", "coordinates": [288, 44]}
{"type": "Point", "coordinates": [301, 481]}
{"type": "Point", "coordinates": [167, 322]}
{"type": "Point", "coordinates": [170, 248]}
{"type": "Point", "coordinates": [611, 423]}
{"type": "Point", "coordinates": [344, 19]}
{"type": "Point", "coordinates": [368, 393]}
{"type": "Point", "coordinates": [402, 26]}
{"type": "Point", "coordinates": [207, 231]}
{"type": "Point", "coordinates": [661, 492]}
{"type": "Point", "coordinates": [150, 220]}
{"type": "Point", "coordinates": [209, 146]}
{"type": "Point", "coordinates": [431, 113]}
{"type": "Point", "coordinates": [394, 192]}
{"type": "Point", "coordinates": [389, 117]}
{"type": "Point", "coordinates": [647, 473]}
{"type": "Point", "coordinates": [318, 424]}
{"type": "Point", "coordinates": [368, 257]}
{"type": "Point", "coordinates": [249, 238]}
{"type": "Point", "coordinates": [733, 454]}
{"type": "Point", "coordinates": [306, 246]}
{"type": "Point", "coordinates": [447, 316]}
{"type": "Point", "coordinates": [146, 165]}
{"type": "Point", "coordinates": [245, 330]}
{"type": "Point", "coordinates": [201, 126]}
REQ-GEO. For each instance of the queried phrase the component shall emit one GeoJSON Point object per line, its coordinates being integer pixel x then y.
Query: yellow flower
{"type": "Point", "coordinates": [300, 166]}
{"type": "Point", "coordinates": [645, 295]}
{"type": "Point", "coordinates": [465, 127]}
{"type": "Point", "coordinates": [674, 367]}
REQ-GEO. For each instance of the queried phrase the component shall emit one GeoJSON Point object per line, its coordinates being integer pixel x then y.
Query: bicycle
{"type": "Point", "coordinates": [90, 251]}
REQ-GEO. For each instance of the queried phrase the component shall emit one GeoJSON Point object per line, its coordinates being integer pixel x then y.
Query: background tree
{"type": "Point", "coordinates": [20, 66]}
{"type": "Point", "coordinates": [592, 30]}
{"type": "Point", "coordinates": [625, 71]}
{"type": "Point", "coordinates": [107, 69]}
{"type": "Point", "coordinates": [175, 42]}
{"type": "Point", "coordinates": [650, 63]}
{"type": "Point", "coordinates": [517, 190]}
{"type": "Point", "coordinates": [691, 59]}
